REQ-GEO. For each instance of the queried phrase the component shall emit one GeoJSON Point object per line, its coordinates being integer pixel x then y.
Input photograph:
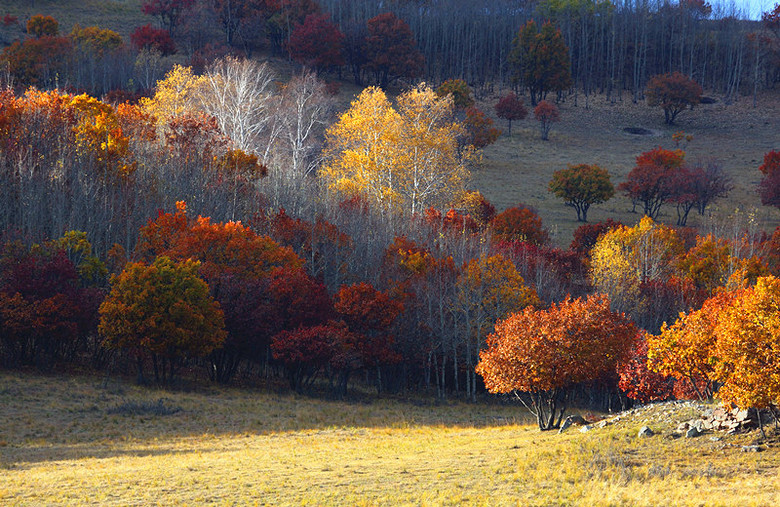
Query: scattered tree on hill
{"type": "Point", "coordinates": [479, 128]}
{"type": "Point", "coordinates": [317, 43]}
{"type": "Point", "coordinates": [546, 113]}
{"type": "Point", "coordinates": [42, 26]}
{"type": "Point", "coordinates": [539, 59]}
{"type": "Point", "coordinates": [538, 355]}
{"type": "Point", "coordinates": [151, 38]}
{"type": "Point", "coordinates": [769, 187]}
{"type": "Point", "coordinates": [391, 49]}
{"type": "Point", "coordinates": [652, 181]}
{"type": "Point", "coordinates": [460, 91]}
{"type": "Point", "coordinates": [163, 311]}
{"type": "Point", "coordinates": [168, 12]}
{"type": "Point", "coordinates": [510, 108]}
{"type": "Point", "coordinates": [674, 93]}
{"type": "Point", "coordinates": [580, 186]}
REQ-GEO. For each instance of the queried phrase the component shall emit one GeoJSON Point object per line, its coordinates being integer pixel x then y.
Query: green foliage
{"type": "Point", "coordinates": [582, 185]}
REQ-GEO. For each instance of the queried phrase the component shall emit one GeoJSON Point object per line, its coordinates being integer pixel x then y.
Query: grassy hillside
{"type": "Point", "coordinates": [518, 168]}
{"type": "Point", "coordinates": [69, 440]}
{"type": "Point", "coordinates": [122, 16]}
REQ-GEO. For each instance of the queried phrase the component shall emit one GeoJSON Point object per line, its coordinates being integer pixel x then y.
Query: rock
{"type": "Point", "coordinates": [752, 448]}
{"type": "Point", "coordinates": [572, 420]}
{"type": "Point", "coordinates": [716, 439]}
{"type": "Point", "coordinates": [692, 432]}
{"type": "Point", "coordinates": [585, 428]}
{"type": "Point", "coordinates": [645, 431]}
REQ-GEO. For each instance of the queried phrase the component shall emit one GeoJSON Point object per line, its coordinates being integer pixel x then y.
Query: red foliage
{"type": "Point", "coordinates": [585, 236]}
{"type": "Point", "coordinates": [317, 43]}
{"type": "Point", "coordinates": [651, 181]}
{"type": "Point", "coordinates": [391, 49]}
{"type": "Point", "coordinates": [149, 37]}
{"type": "Point", "coordinates": [510, 108]}
{"type": "Point", "coordinates": [37, 61]}
{"type": "Point", "coordinates": [771, 161]}
{"type": "Point", "coordinates": [370, 313]}
{"type": "Point", "coordinates": [546, 113]}
{"type": "Point", "coordinates": [479, 128]}
{"type": "Point", "coordinates": [167, 11]}
{"type": "Point", "coordinates": [639, 382]}
{"type": "Point", "coordinates": [520, 223]}
{"type": "Point", "coordinates": [9, 20]}
{"type": "Point", "coordinates": [769, 187]}
{"type": "Point", "coordinates": [452, 221]}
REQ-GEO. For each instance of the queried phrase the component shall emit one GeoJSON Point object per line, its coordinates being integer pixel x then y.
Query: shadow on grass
{"type": "Point", "coordinates": [53, 418]}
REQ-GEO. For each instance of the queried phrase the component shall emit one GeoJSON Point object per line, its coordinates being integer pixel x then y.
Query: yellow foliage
{"type": "Point", "coordinates": [175, 94]}
{"type": "Point", "coordinates": [403, 158]}
{"type": "Point", "coordinates": [625, 257]}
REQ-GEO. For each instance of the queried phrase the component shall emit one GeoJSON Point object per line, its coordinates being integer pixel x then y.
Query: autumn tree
{"type": "Point", "coordinates": [519, 223]}
{"type": "Point", "coordinates": [402, 158]}
{"type": "Point", "coordinates": [317, 43]}
{"type": "Point", "coordinates": [748, 338]}
{"type": "Point", "coordinates": [580, 186]}
{"type": "Point", "coordinates": [638, 381]}
{"type": "Point", "coordinates": [685, 350]}
{"type": "Point", "coordinates": [626, 258]}
{"type": "Point", "coordinates": [674, 93]}
{"type": "Point", "coordinates": [488, 289]}
{"type": "Point", "coordinates": [42, 26]}
{"type": "Point", "coordinates": [769, 186]}
{"type": "Point", "coordinates": [164, 311]}
{"type": "Point", "coordinates": [168, 12]}
{"type": "Point", "coordinates": [480, 131]}
{"type": "Point", "coordinates": [391, 49]}
{"type": "Point", "coordinates": [546, 113]}
{"type": "Point", "coordinates": [538, 355]}
{"type": "Point", "coordinates": [460, 91]}
{"type": "Point", "coordinates": [651, 181]}
{"type": "Point", "coordinates": [151, 38]}
{"type": "Point", "coordinates": [510, 108]}
{"type": "Point", "coordinates": [174, 95]}
{"type": "Point", "coordinates": [539, 59]}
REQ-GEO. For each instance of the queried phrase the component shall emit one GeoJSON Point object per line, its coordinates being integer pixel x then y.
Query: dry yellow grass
{"type": "Point", "coordinates": [60, 443]}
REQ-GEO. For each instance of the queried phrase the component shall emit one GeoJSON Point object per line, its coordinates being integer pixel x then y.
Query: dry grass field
{"type": "Point", "coordinates": [518, 168]}
{"type": "Point", "coordinates": [71, 441]}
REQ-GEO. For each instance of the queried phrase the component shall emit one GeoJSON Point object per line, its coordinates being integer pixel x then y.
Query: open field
{"type": "Point", "coordinates": [71, 441]}
{"type": "Point", "coordinates": [518, 168]}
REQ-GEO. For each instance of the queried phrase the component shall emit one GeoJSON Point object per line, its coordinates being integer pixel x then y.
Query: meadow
{"type": "Point", "coordinates": [78, 440]}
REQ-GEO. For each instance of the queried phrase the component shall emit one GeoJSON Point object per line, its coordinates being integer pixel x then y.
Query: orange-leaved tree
{"type": "Point", "coordinates": [686, 349]}
{"type": "Point", "coordinates": [748, 347]}
{"type": "Point", "coordinates": [161, 311]}
{"type": "Point", "coordinates": [540, 354]}
{"type": "Point", "coordinates": [674, 93]}
{"type": "Point", "coordinates": [651, 181]}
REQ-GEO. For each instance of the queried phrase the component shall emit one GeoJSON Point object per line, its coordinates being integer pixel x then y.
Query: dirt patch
{"type": "Point", "coordinates": [638, 131]}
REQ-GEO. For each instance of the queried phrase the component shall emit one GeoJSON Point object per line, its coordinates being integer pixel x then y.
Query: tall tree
{"type": "Point", "coordinates": [403, 158]}
{"type": "Point", "coordinates": [391, 49]}
{"type": "Point", "coordinates": [539, 59]}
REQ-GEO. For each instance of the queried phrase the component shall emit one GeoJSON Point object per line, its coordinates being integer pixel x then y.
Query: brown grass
{"type": "Point", "coordinates": [518, 168]}
{"type": "Point", "coordinates": [62, 440]}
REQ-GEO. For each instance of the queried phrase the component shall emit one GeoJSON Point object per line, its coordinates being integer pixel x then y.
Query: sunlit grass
{"type": "Point", "coordinates": [68, 440]}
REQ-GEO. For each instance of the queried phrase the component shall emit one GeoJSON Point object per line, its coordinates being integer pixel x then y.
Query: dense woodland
{"type": "Point", "coordinates": [210, 217]}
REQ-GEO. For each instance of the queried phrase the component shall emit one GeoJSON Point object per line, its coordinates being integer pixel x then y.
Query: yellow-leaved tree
{"type": "Point", "coordinates": [403, 158]}
{"type": "Point", "coordinates": [175, 95]}
{"type": "Point", "coordinates": [627, 257]}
